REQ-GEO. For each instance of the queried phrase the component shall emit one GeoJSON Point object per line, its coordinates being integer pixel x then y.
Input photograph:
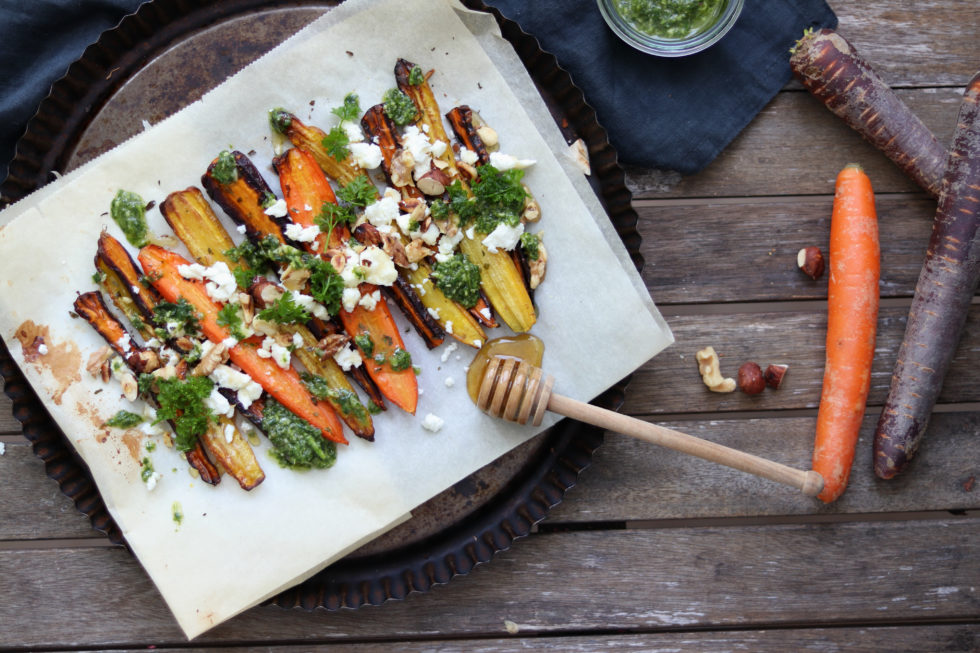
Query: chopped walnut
{"type": "Point", "coordinates": [402, 165]}
{"type": "Point", "coordinates": [215, 356]}
{"type": "Point", "coordinates": [264, 327]}
{"type": "Point", "coordinates": [295, 278]}
{"type": "Point", "coordinates": [537, 266]}
{"type": "Point", "coordinates": [247, 306]}
{"type": "Point", "coordinates": [710, 368]}
{"type": "Point", "coordinates": [333, 343]}
{"type": "Point", "coordinates": [98, 360]}
{"type": "Point", "coordinates": [144, 361]}
{"type": "Point", "coordinates": [416, 250]}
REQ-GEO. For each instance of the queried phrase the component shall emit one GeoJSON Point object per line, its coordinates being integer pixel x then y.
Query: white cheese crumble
{"type": "Point", "coordinates": [468, 156]}
{"type": "Point", "coordinates": [372, 265]}
{"type": "Point", "coordinates": [350, 298]}
{"type": "Point", "coordinates": [384, 211]}
{"type": "Point", "coordinates": [221, 285]}
{"type": "Point", "coordinates": [502, 161]}
{"type": "Point", "coordinates": [297, 340]}
{"type": "Point", "coordinates": [310, 305]}
{"type": "Point", "coordinates": [431, 235]}
{"type": "Point", "coordinates": [367, 156]}
{"type": "Point", "coordinates": [353, 131]}
{"type": "Point", "coordinates": [447, 352]}
{"type": "Point", "coordinates": [450, 381]}
{"type": "Point", "coordinates": [193, 271]}
{"type": "Point", "coordinates": [241, 229]}
{"type": "Point", "coordinates": [503, 237]}
{"type": "Point", "coordinates": [229, 433]}
{"type": "Point", "coordinates": [218, 404]}
{"type": "Point", "coordinates": [43, 348]}
{"type": "Point", "coordinates": [275, 351]}
{"type": "Point", "coordinates": [247, 390]}
{"type": "Point", "coordinates": [434, 312]}
{"type": "Point", "coordinates": [302, 234]}
{"type": "Point", "coordinates": [419, 145]}
{"type": "Point", "coordinates": [278, 209]}
{"type": "Point", "coordinates": [347, 358]}
{"type": "Point", "coordinates": [151, 481]}
{"type": "Point", "coordinates": [370, 300]}
{"type": "Point", "coordinates": [432, 423]}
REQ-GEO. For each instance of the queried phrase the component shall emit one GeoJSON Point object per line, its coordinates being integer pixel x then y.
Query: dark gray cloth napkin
{"type": "Point", "coordinates": [674, 114]}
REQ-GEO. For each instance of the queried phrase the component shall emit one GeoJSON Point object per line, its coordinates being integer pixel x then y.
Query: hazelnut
{"type": "Point", "coordinates": [810, 260]}
{"type": "Point", "coordinates": [750, 379]}
{"type": "Point", "coordinates": [774, 375]}
{"type": "Point", "coordinates": [433, 182]}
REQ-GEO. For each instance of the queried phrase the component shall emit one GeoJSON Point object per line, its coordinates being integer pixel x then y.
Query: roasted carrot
{"type": "Point", "coordinates": [943, 294]}
{"type": "Point", "coordinates": [852, 315]}
{"type": "Point", "coordinates": [284, 384]}
{"type": "Point", "coordinates": [309, 138]}
{"type": "Point", "coordinates": [242, 192]}
{"type": "Point", "coordinates": [306, 189]}
{"type": "Point", "coordinates": [378, 328]}
{"type": "Point", "coordinates": [832, 70]}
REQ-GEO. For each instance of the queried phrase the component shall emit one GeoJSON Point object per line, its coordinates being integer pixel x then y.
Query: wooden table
{"type": "Point", "coordinates": [655, 551]}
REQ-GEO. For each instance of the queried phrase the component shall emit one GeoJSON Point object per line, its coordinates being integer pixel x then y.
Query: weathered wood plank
{"type": "Point", "coordinates": [914, 42]}
{"type": "Point", "coordinates": [897, 639]}
{"type": "Point", "coordinates": [571, 582]}
{"type": "Point", "coordinates": [8, 425]}
{"type": "Point", "coordinates": [795, 146]}
{"type": "Point", "coordinates": [746, 250]}
{"type": "Point", "coordinates": [33, 506]}
{"type": "Point", "coordinates": [670, 383]}
{"type": "Point", "coordinates": [631, 480]}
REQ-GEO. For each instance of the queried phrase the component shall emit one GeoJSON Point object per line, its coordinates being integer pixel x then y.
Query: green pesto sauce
{"type": "Point", "coordinates": [177, 512]}
{"type": "Point", "coordinates": [280, 119]}
{"type": "Point", "coordinates": [124, 420]}
{"type": "Point", "coordinates": [399, 107]}
{"type": "Point", "coordinates": [670, 19]}
{"type": "Point", "coordinates": [531, 244]}
{"type": "Point", "coordinates": [364, 343]}
{"type": "Point", "coordinates": [416, 77]}
{"type": "Point", "coordinates": [296, 443]}
{"type": "Point", "coordinates": [400, 360]}
{"type": "Point", "coordinates": [129, 212]}
{"type": "Point", "coordinates": [459, 279]}
{"type": "Point", "coordinates": [225, 169]}
{"type": "Point", "coordinates": [147, 469]}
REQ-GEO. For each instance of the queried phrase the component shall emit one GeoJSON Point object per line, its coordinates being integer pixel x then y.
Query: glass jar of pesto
{"type": "Point", "coordinates": [670, 28]}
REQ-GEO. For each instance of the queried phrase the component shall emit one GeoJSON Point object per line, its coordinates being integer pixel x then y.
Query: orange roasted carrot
{"type": "Point", "coordinates": [306, 189]}
{"type": "Point", "coordinates": [383, 342]}
{"type": "Point", "coordinates": [285, 385]}
{"type": "Point", "coordinates": [852, 317]}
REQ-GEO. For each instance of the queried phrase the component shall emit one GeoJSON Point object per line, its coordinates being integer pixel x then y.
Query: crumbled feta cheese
{"type": "Point", "coordinates": [347, 358]}
{"type": "Point", "coordinates": [229, 433]}
{"type": "Point", "coordinates": [241, 229]}
{"type": "Point", "coordinates": [434, 312]}
{"type": "Point", "coordinates": [450, 348]}
{"type": "Point", "coordinates": [366, 155]}
{"type": "Point", "coordinates": [247, 390]}
{"type": "Point", "coordinates": [229, 342]}
{"type": "Point", "coordinates": [419, 145]}
{"type": "Point", "coordinates": [43, 348]}
{"type": "Point", "coordinates": [350, 298]}
{"type": "Point", "coordinates": [431, 235]}
{"type": "Point", "coordinates": [448, 327]}
{"type": "Point", "coordinates": [439, 148]}
{"type": "Point", "coordinates": [353, 131]}
{"type": "Point", "coordinates": [471, 233]}
{"type": "Point", "coordinates": [502, 161]}
{"type": "Point", "coordinates": [297, 340]}
{"type": "Point", "coordinates": [447, 245]}
{"type": "Point", "coordinates": [485, 312]}
{"type": "Point", "coordinates": [432, 423]}
{"type": "Point", "coordinates": [218, 404]}
{"type": "Point", "coordinates": [468, 156]}
{"type": "Point", "coordinates": [384, 211]}
{"type": "Point", "coordinates": [152, 480]}
{"type": "Point", "coordinates": [450, 381]}
{"type": "Point", "coordinates": [302, 234]}
{"type": "Point", "coordinates": [154, 343]}
{"type": "Point", "coordinates": [278, 209]}
{"type": "Point", "coordinates": [194, 271]}
{"type": "Point", "coordinates": [272, 349]}
{"type": "Point", "coordinates": [221, 285]}
{"type": "Point", "coordinates": [370, 300]}
{"type": "Point", "coordinates": [380, 269]}
{"type": "Point", "coordinates": [310, 305]}
{"type": "Point", "coordinates": [503, 237]}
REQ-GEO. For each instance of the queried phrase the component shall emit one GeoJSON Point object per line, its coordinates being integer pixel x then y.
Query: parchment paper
{"type": "Point", "coordinates": [595, 316]}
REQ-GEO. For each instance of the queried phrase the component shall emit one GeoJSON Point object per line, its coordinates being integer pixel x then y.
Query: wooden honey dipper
{"type": "Point", "coordinates": [520, 392]}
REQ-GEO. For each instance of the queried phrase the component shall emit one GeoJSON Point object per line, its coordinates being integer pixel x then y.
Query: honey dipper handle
{"type": "Point", "coordinates": [808, 482]}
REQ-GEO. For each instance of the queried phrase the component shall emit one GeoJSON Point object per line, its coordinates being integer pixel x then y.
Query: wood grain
{"type": "Point", "coordinates": [631, 481]}
{"type": "Point", "coordinates": [670, 383]}
{"type": "Point", "coordinates": [745, 250]}
{"type": "Point", "coordinates": [691, 578]}
{"type": "Point", "coordinates": [900, 639]}
{"type": "Point", "coordinates": [795, 146]}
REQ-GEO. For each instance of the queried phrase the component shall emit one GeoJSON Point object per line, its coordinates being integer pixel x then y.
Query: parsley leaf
{"type": "Point", "coordinates": [229, 316]}
{"type": "Point", "coordinates": [350, 110]}
{"type": "Point", "coordinates": [285, 310]}
{"type": "Point", "coordinates": [333, 215]}
{"type": "Point", "coordinates": [336, 143]}
{"type": "Point", "coordinates": [183, 402]}
{"type": "Point", "coordinates": [327, 287]}
{"type": "Point", "coordinates": [499, 198]}
{"type": "Point", "coordinates": [359, 192]}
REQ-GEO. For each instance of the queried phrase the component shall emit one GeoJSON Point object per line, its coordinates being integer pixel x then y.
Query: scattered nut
{"type": "Point", "coordinates": [580, 155]}
{"type": "Point", "coordinates": [401, 168]}
{"type": "Point", "coordinates": [750, 379]}
{"type": "Point", "coordinates": [97, 360]}
{"type": "Point", "coordinates": [537, 267]}
{"type": "Point", "coordinates": [216, 355]}
{"type": "Point", "coordinates": [532, 210]}
{"type": "Point", "coordinates": [433, 182]}
{"type": "Point", "coordinates": [774, 375]}
{"type": "Point", "coordinates": [810, 260]}
{"type": "Point", "coordinates": [489, 136]}
{"type": "Point", "coordinates": [295, 278]}
{"type": "Point", "coordinates": [710, 368]}
{"type": "Point", "coordinates": [332, 343]}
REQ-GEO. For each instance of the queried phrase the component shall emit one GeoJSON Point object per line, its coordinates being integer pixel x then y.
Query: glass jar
{"type": "Point", "coordinates": [670, 28]}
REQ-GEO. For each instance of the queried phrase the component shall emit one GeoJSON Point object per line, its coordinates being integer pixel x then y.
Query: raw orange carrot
{"type": "Point", "coordinates": [161, 267]}
{"type": "Point", "coordinates": [852, 316]}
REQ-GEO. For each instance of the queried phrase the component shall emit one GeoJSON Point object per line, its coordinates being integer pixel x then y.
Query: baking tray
{"type": "Point", "coordinates": [167, 55]}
